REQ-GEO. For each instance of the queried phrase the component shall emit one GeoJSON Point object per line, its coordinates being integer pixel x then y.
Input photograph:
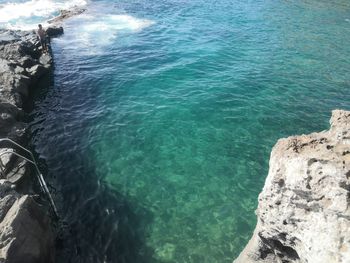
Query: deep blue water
{"type": "Point", "coordinates": [158, 127]}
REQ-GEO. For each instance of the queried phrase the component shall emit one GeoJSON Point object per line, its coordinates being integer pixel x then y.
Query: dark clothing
{"type": "Point", "coordinates": [43, 41]}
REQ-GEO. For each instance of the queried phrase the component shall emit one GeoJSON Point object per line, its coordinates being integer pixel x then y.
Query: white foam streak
{"type": "Point", "coordinates": [129, 22]}
{"type": "Point", "coordinates": [93, 33]}
{"type": "Point", "coordinates": [113, 23]}
{"type": "Point", "coordinates": [11, 12]}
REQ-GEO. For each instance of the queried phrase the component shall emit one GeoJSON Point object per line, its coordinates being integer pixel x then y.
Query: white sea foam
{"type": "Point", "coordinates": [25, 15]}
{"type": "Point", "coordinates": [93, 32]}
{"type": "Point", "coordinates": [114, 23]}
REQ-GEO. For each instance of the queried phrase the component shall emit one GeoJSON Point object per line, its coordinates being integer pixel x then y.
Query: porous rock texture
{"type": "Point", "coordinates": [25, 229]}
{"type": "Point", "coordinates": [303, 212]}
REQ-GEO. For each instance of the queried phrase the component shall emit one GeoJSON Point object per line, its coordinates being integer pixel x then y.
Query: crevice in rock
{"type": "Point", "coordinates": [275, 246]}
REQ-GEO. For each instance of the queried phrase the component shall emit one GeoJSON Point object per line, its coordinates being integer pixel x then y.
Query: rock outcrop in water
{"type": "Point", "coordinates": [64, 14]}
{"type": "Point", "coordinates": [304, 208]}
{"type": "Point", "coordinates": [25, 226]}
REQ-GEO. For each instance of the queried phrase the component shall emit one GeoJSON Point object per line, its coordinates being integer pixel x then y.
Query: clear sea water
{"type": "Point", "coordinates": [157, 130]}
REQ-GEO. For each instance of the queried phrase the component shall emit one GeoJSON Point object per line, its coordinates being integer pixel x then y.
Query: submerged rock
{"type": "Point", "coordinates": [304, 208]}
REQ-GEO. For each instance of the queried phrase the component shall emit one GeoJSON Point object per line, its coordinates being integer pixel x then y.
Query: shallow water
{"type": "Point", "coordinates": [159, 125]}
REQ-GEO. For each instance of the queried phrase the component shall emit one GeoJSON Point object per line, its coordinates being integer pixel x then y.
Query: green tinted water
{"type": "Point", "coordinates": [179, 115]}
{"type": "Point", "coordinates": [189, 134]}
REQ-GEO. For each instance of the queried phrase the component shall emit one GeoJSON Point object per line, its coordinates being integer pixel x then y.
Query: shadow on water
{"type": "Point", "coordinates": [97, 224]}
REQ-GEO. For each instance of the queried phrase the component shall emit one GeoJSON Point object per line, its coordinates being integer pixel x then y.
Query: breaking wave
{"type": "Point", "coordinates": [26, 15]}
{"type": "Point", "coordinates": [92, 32]}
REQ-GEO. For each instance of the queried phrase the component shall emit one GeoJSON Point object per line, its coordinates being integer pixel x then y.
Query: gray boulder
{"type": "Point", "coordinates": [25, 233]}
{"type": "Point", "coordinates": [36, 72]}
{"type": "Point", "coordinates": [54, 31]}
{"type": "Point", "coordinates": [46, 60]}
{"type": "Point", "coordinates": [7, 197]}
{"type": "Point", "coordinates": [7, 36]}
{"type": "Point", "coordinates": [26, 61]}
{"type": "Point", "coordinates": [25, 228]}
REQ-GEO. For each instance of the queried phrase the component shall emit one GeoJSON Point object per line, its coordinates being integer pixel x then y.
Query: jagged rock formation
{"type": "Point", "coordinates": [25, 229]}
{"type": "Point", "coordinates": [26, 234]}
{"type": "Point", "coordinates": [303, 212]}
{"type": "Point", "coordinates": [64, 14]}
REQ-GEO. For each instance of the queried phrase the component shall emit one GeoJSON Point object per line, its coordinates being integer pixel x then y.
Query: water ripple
{"type": "Point", "coordinates": [166, 132]}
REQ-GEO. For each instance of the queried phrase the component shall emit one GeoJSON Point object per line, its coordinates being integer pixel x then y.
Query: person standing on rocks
{"type": "Point", "coordinates": [41, 33]}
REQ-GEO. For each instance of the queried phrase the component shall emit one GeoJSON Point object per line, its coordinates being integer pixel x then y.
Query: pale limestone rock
{"type": "Point", "coordinates": [303, 212]}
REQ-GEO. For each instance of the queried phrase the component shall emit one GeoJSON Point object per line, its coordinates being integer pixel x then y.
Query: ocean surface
{"type": "Point", "coordinates": [157, 129]}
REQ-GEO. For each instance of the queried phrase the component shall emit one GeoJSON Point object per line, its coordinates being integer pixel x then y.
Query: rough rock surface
{"type": "Point", "coordinates": [304, 208]}
{"type": "Point", "coordinates": [25, 228]}
{"type": "Point", "coordinates": [26, 234]}
{"type": "Point", "coordinates": [64, 14]}
{"type": "Point", "coordinates": [54, 31]}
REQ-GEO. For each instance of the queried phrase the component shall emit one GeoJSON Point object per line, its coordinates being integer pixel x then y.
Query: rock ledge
{"type": "Point", "coordinates": [26, 234]}
{"type": "Point", "coordinates": [303, 212]}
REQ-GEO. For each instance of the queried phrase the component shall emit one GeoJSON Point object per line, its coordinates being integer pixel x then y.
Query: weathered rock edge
{"type": "Point", "coordinates": [26, 234]}
{"type": "Point", "coordinates": [303, 212]}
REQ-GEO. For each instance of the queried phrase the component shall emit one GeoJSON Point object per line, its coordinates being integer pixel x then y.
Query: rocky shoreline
{"type": "Point", "coordinates": [304, 208]}
{"type": "Point", "coordinates": [303, 212]}
{"type": "Point", "coordinates": [26, 232]}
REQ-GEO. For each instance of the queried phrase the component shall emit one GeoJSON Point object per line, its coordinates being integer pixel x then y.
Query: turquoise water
{"type": "Point", "coordinates": [162, 115]}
